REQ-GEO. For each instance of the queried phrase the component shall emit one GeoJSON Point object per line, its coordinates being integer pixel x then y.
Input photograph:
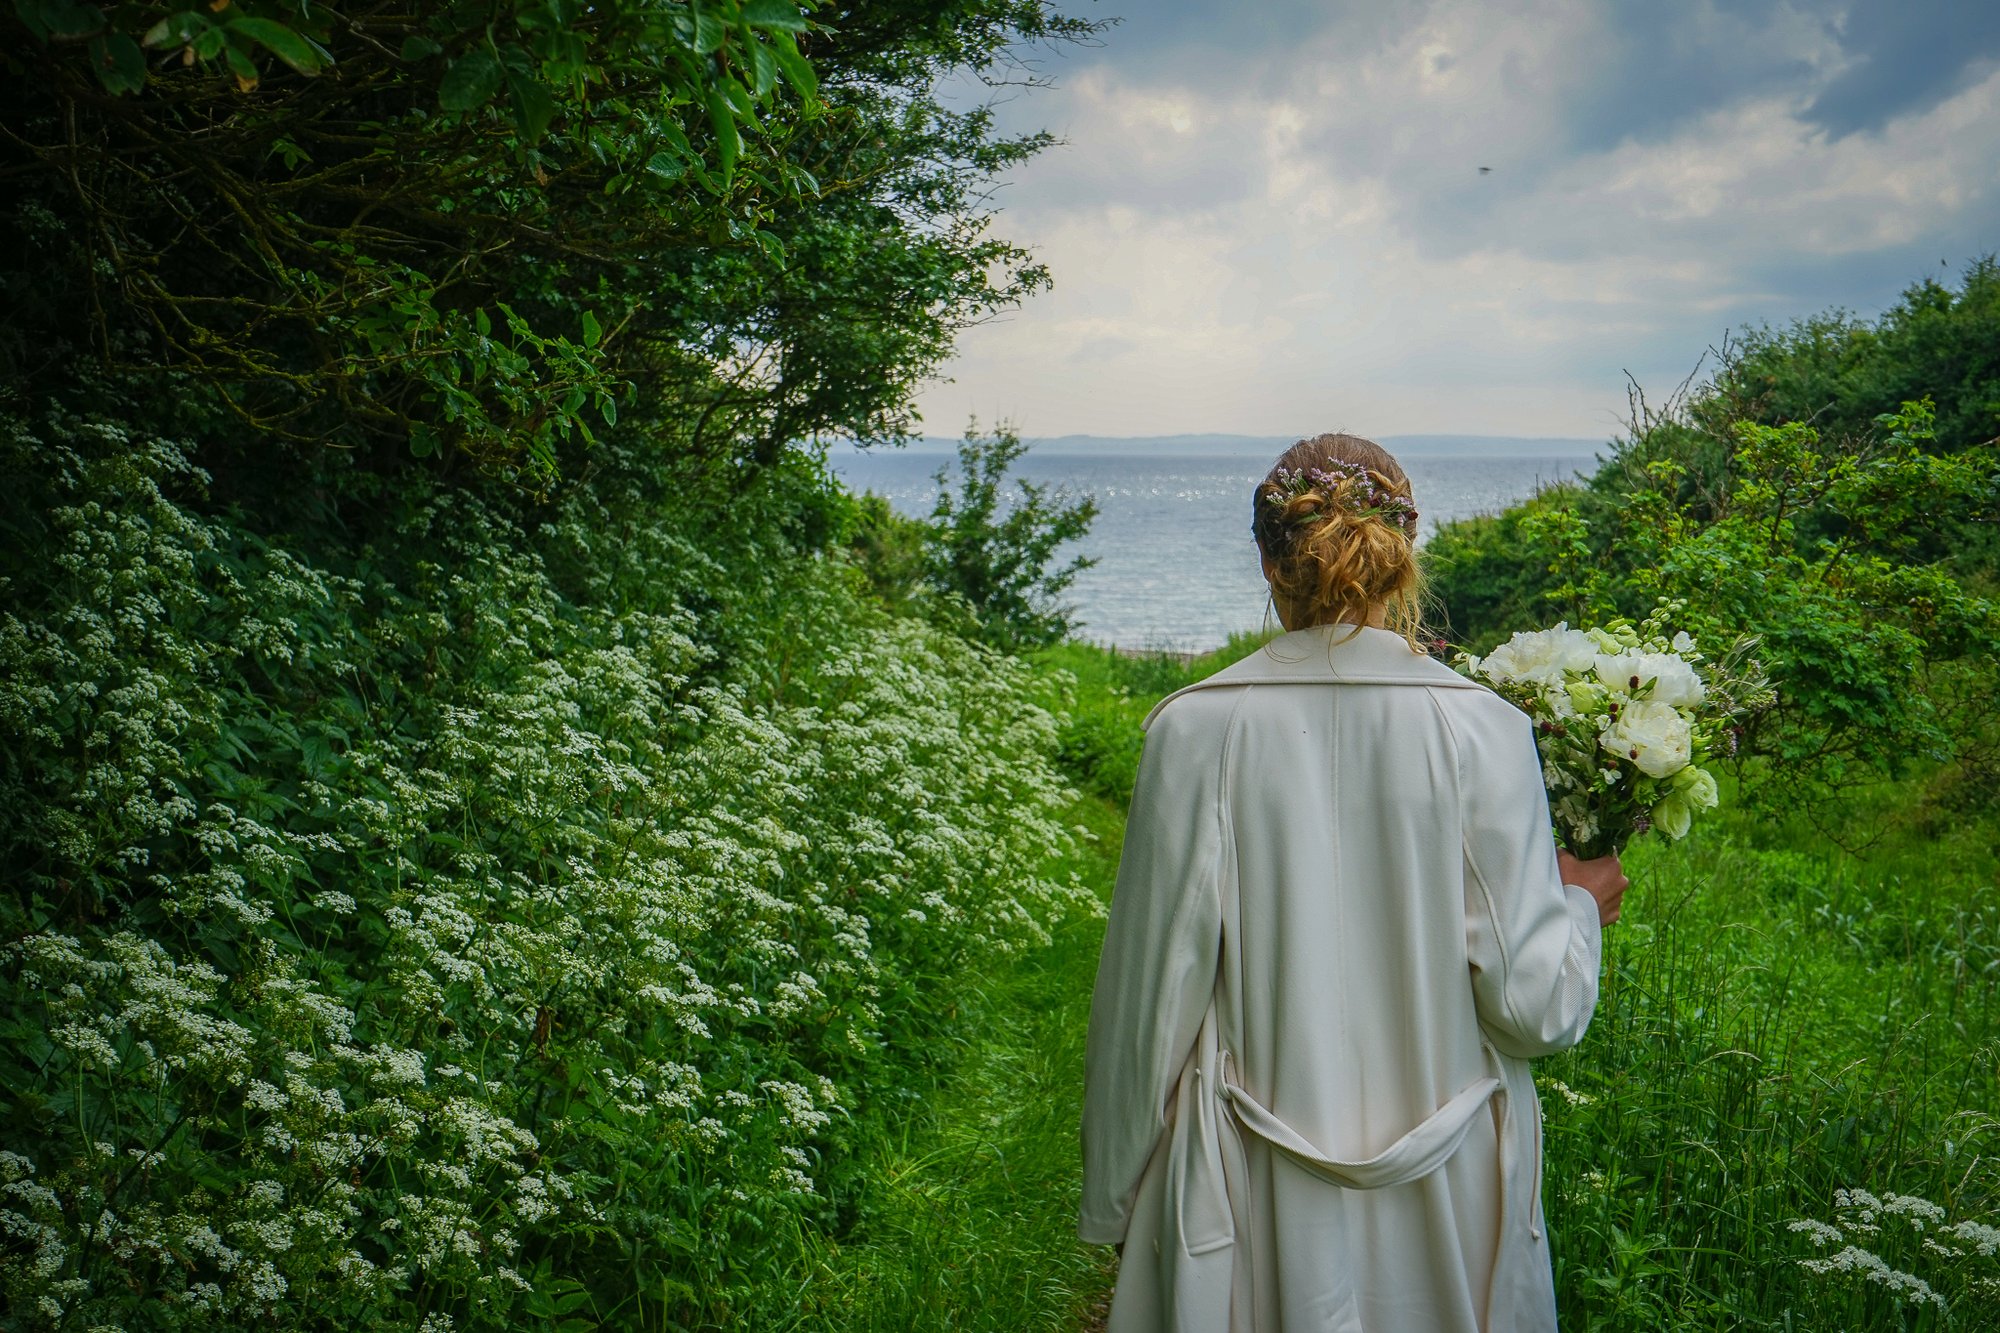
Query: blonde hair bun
{"type": "Point", "coordinates": [1335, 521]}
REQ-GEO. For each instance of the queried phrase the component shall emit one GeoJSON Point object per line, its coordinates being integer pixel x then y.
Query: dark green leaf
{"type": "Point", "coordinates": [775, 15]}
{"type": "Point", "coordinates": [667, 166]}
{"type": "Point", "coordinates": [592, 330]}
{"type": "Point", "coordinates": [764, 66]}
{"type": "Point", "coordinates": [417, 47]}
{"type": "Point", "coordinates": [533, 107]}
{"type": "Point", "coordinates": [282, 42]}
{"type": "Point", "coordinates": [240, 63]}
{"type": "Point", "coordinates": [709, 33]}
{"type": "Point", "coordinates": [676, 139]}
{"type": "Point", "coordinates": [728, 140]}
{"type": "Point", "coordinates": [740, 98]}
{"type": "Point", "coordinates": [62, 18]}
{"type": "Point", "coordinates": [798, 71]}
{"type": "Point", "coordinates": [470, 82]}
{"type": "Point", "coordinates": [121, 65]}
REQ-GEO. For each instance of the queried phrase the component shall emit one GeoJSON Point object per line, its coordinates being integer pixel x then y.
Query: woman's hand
{"type": "Point", "coordinates": [1601, 877]}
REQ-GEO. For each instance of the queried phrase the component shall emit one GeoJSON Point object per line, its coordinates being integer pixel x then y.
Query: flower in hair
{"type": "Point", "coordinates": [1365, 495]}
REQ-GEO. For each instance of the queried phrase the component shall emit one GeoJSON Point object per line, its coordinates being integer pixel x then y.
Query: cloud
{"type": "Point", "coordinates": [1294, 232]}
{"type": "Point", "coordinates": [1905, 56]}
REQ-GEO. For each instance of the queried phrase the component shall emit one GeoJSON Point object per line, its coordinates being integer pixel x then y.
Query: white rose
{"type": "Point", "coordinates": [1652, 735]}
{"type": "Point", "coordinates": [1540, 656]}
{"type": "Point", "coordinates": [1675, 682]}
{"type": "Point", "coordinates": [1697, 787]}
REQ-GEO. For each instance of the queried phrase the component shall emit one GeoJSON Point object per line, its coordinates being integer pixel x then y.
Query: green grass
{"type": "Point", "coordinates": [1781, 1020]}
{"type": "Point", "coordinates": [970, 1221]}
{"type": "Point", "coordinates": [970, 1218]}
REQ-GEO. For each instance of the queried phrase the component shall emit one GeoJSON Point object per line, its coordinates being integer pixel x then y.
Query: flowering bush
{"type": "Point", "coordinates": [1855, 1251]}
{"type": "Point", "coordinates": [491, 923]}
{"type": "Point", "coordinates": [1623, 717]}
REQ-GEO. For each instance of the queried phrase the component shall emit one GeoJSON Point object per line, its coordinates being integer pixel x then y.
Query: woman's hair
{"type": "Point", "coordinates": [1335, 519]}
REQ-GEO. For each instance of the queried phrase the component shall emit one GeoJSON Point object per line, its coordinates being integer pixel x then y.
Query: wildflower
{"type": "Point", "coordinates": [1871, 1268]}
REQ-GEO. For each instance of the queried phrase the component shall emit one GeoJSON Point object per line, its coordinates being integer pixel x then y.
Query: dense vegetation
{"type": "Point", "coordinates": [417, 933]}
{"type": "Point", "coordinates": [489, 231]}
{"type": "Point", "coordinates": [479, 853]}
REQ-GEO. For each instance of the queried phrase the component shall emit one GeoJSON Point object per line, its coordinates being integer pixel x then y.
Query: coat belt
{"type": "Point", "coordinates": [1203, 1154]}
{"type": "Point", "coordinates": [1209, 1086]}
{"type": "Point", "coordinates": [1425, 1148]}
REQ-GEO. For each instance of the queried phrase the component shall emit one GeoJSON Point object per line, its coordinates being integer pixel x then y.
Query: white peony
{"type": "Point", "coordinates": [1652, 735]}
{"type": "Point", "coordinates": [1675, 682]}
{"type": "Point", "coordinates": [1540, 656]}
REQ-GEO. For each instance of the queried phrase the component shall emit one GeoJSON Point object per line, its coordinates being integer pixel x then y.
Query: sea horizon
{"type": "Point", "coordinates": [1213, 444]}
{"type": "Point", "coordinates": [1176, 568]}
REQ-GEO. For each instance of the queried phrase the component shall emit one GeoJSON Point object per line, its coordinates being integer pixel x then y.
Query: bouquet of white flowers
{"type": "Point", "coordinates": [1625, 716]}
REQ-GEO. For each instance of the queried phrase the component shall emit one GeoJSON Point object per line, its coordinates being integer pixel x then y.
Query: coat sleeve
{"type": "Point", "coordinates": [1533, 941]}
{"type": "Point", "coordinates": [1157, 972]}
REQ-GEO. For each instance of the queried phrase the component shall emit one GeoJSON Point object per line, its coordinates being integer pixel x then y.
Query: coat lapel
{"type": "Point", "coordinates": [1324, 655]}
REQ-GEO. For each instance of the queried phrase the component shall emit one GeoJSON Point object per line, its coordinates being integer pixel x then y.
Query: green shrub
{"type": "Point", "coordinates": [991, 550]}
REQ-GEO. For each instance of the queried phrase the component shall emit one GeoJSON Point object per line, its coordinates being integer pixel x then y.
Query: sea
{"type": "Point", "coordinates": [1176, 569]}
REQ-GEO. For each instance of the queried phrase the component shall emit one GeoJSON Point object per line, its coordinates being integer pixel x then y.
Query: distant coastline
{"type": "Point", "coordinates": [1268, 446]}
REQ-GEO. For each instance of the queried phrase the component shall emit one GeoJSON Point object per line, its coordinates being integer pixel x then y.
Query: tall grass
{"type": "Point", "coordinates": [1782, 1021]}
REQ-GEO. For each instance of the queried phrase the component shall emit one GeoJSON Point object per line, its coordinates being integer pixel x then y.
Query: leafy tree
{"type": "Point", "coordinates": [1840, 373]}
{"type": "Point", "coordinates": [489, 228]}
{"type": "Point", "coordinates": [991, 550]}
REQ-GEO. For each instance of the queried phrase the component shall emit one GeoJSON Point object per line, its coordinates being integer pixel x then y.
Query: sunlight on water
{"type": "Point", "coordinates": [1176, 566]}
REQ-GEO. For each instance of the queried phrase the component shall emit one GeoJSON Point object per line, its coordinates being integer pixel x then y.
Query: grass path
{"type": "Point", "coordinates": [972, 1222]}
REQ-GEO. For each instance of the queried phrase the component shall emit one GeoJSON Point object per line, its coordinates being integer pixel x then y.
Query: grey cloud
{"type": "Point", "coordinates": [1908, 55]}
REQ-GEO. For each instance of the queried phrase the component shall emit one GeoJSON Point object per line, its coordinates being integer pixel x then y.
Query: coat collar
{"type": "Point", "coordinates": [1324, 655]}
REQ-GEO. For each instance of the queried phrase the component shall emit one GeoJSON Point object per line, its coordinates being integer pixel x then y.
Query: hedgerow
{"type": "Point", "coordinates": [508, 915]}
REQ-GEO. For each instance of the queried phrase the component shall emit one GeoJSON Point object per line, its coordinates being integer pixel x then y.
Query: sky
{"type": "Point", "coordinates": [1466, 216]}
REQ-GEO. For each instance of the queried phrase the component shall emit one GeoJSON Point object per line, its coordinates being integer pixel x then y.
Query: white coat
{"type": "Point", "coordinates": [1337, 938]}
